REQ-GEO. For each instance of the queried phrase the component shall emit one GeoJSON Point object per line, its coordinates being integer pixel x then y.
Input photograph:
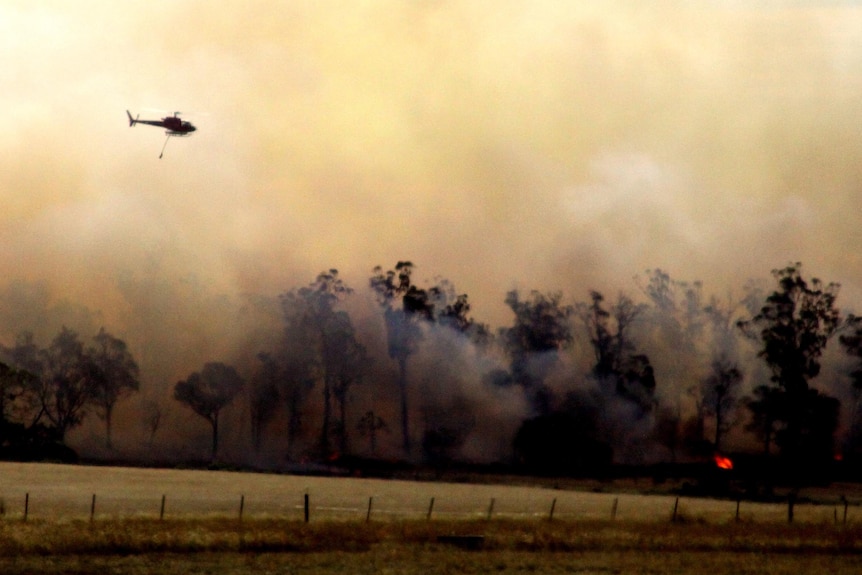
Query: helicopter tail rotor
{"type": "Point", "coordinates": [132, 121]}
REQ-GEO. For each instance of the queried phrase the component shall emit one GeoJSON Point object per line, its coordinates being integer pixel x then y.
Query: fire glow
{"type": "Point", "coordinates": [723, 462]}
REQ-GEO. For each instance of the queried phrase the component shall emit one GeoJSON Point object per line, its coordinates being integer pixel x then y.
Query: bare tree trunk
{"type": "Point", "coordinates": [108, 411]}
{"type": "Point", "coordinates": [325, 448]}
{"type": "Point", "coordinates": [294, 423]}
{"type": "Point", "coordinates": [718, 424]}
{"type": "Point", "coordinates": [214, 421]}
{"type": "Point", "coordinates": [343, 426]}
{"type": "Point", "coordinates": [402, 384]}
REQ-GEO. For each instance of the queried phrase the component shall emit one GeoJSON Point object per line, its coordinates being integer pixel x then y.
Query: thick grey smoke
{"type": "Point", "coordinates": [531, 145]}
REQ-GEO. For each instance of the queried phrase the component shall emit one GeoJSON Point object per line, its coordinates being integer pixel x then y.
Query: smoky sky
{"type": "Point", "coordinates": [534, 145]}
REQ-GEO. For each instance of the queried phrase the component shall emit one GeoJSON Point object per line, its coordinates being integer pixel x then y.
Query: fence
{"type": "Point", "coordinates": [59, 492]}
{"type": "Point", "coordinates": [568, 506]}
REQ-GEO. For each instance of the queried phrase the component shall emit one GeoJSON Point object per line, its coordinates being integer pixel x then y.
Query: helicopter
{"type": "Point", "coordinates": [173, 124]}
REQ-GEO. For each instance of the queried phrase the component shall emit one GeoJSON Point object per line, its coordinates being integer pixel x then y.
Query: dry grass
{"type": "Point", "coordinates": [509, 546]}
{"type": "Point", "coordinates": [202, 531]}
{"type": "Point", "coordinates": [221, 535]}
{"type": "Point", "coordinates": [64, 492]}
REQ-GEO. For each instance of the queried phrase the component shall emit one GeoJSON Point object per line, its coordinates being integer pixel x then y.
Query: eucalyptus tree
{"type": "Point", "coordinates": [332, 354]}
{"type": "Point", "coordinates": [793, 328]}
{"type": "Point", "coordinates": [208, 392]}
{"type": "Point", "coordinates": [118, 375]}
{"type": "Point", "coordinates": [68, 383]}
{"type": "Point", "coordinates": [619, 367]}
{"type": "Point", "coordinates": [405, 306]}
{"type": "Point", "coordinates": [540, 329]}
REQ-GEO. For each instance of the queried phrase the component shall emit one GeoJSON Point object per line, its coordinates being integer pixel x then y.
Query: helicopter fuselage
{"type": "Point", "coordinates": [173, 125]}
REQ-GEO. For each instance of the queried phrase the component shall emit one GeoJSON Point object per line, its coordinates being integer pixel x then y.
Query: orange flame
{"type": "Point", "coordinates": [723, 462]}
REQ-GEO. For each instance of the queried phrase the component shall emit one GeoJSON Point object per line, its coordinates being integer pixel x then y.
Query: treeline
{"type": "Point", "coordinates": [46, 392]}
{"type": "Point", "coordinates": [568, 387]}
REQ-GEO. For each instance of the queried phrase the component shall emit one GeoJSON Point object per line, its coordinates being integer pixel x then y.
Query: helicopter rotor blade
{"type": "Point", "coordinates": [174, 112]}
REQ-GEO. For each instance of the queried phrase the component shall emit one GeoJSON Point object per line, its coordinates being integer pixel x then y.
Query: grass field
{"type": "Point", "coordinates": [202, 531]}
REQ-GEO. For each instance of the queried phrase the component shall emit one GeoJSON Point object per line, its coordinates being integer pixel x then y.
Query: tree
{"type": "Point", "coordinates": [624, 377]}
{"type": "Point", "coordinates": [299, 372]}
{"type": "Point", "coordinates": [765, 406]}
{"type": "Point", "coordinates": [118, 375]}
{"type": "Point", "coordinates": [404, 306]}
{"type": "Point", "coordinates": [208, 392]}
{"type": "Point", "coordinates": [20, 401]}
{"type": "Point", "coordinates": [25, 355]}
{"type": "Point", "coordinates": [16, 402]}
{"type": "Point", "coordinates": [452, 310]}
{"type": "Point", "coordinates": [677, 320]}
{"type": "Point", "coordinates": [152, 415]}
{"type": "Point", "coordinates": [69, 382]}
{"type": "Point", "coordinates": [719, 392]}
{"type": "Point", "coordinates": [541, 328]}
{"type": "Point", "coordinates": [852, 344]}
{"type": "Point", "coordinates": [263, 396]}
{"type": "Point", "coordinates": [328, 335]}
{"type": "Point", "coordinates": [369, 426]}
{"type": "Point", "coordinates": [351, 362]}
{"type": "Point", "coordinates": [20, 406]}
{"type": "Point", "coordinates": [720, 389]}
{"type": "Point", "coordinates": [793, 328]}
{"type": "Point", "coordinates": [618, 368]}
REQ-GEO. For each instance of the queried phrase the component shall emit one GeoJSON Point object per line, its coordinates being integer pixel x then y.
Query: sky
{"type": "Point", "coordinates": [507, 144]}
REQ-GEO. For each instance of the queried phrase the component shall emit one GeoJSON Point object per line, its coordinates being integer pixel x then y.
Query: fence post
{"type": "Point", "coordinates": [241, 505]}
{"type": "Point", "coordinates": [430, 509]}
{"type": "Point", "coordinates": [553, 506]}
{"type": "Point", "coordinates": [26, 505]}
{"type": "Point", "coordinates": [368, 515]}
{"type": "Point", "coordinates": [93, 508]}
{"type": "Point", "coordinates": [844, 521]}
{"type": "Point", "coordinates": [614, 508]}
{"type": "Point", "coordinates": [162, 510]}
{"type": "Point", "coordinates": [675, 507]}
{"type": "Point", "coordinates": [491, 509]}
{"type": "Point", "coordinates": [306, 507]}
{"type": "Point", "coordinates": [791, 500]}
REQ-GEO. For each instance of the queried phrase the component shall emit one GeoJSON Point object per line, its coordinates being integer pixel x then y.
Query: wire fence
{"type": "Point", "coordinates": [566, 506]}
{"type": "Point", "coordinates": [72, 492]}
